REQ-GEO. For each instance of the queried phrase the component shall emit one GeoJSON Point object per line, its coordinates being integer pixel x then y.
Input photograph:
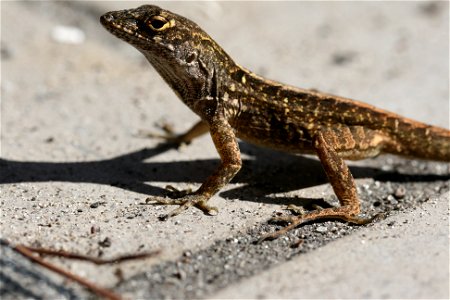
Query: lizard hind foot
{"type": "Point", "coordinates": [329, 213]}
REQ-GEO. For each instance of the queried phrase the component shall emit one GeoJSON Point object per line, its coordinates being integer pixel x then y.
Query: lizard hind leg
{"type": "Point", "coordinates": [343, 185]}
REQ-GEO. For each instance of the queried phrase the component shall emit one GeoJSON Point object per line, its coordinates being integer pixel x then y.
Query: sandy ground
{"type": "Point", "coordinates": [74, 175]}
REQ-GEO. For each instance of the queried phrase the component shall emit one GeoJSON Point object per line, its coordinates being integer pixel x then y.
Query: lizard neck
{"type": "Point", "coordinates": [201, 79]}
{"type": "Point", "coordinates": [176, 76]}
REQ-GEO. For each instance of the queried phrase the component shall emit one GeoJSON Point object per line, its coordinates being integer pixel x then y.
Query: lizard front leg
{"type": "Point", "coordinates": [198, 129]}
{"type": "Point", "coordinates": [225, 142]}
{"type": "Point", "coordinates": [342, 182]}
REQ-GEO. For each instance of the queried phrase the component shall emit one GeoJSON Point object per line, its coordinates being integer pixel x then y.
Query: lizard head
{"type": "Point", "coordinates": [148, 27]}
{"type": "Point", "coordinates": [182, 53]}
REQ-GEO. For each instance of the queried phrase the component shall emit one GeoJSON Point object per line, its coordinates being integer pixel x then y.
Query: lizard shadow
{"type": "Point", "coordinates": [264, 173]}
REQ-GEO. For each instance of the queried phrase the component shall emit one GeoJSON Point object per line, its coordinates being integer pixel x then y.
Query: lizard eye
{"type": "Point", "coordinates": [158, 23]}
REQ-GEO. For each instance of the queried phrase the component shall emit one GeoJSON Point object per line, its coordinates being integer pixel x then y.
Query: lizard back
{"type": "Point", "coordinates": [283, 117]}
{"type": "Point", "coordinates": [262, 111]}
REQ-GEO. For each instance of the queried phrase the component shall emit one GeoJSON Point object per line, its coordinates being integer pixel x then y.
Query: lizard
{"type": "Point", "coordinates": [235, 103]}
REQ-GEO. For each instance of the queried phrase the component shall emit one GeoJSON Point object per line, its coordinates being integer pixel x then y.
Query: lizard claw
{"type": "Point", "coordinates": [282, 219]}
{"type": "Point", "coordinates": [378, 217]}
{"type": "Point", "coordinates": [163, 201]}
{"type": "Point", "coordinates": [185, 202]}
{"type": "Point", "coordinates": [289, 219]}
{"type": "Point", "coordinates": [175, 193]}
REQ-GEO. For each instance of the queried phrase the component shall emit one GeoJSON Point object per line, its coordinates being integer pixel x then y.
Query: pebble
{"type": "Point", "coordinates": [322, 229]}
{"type": "Point", "coordinates": [400, 192]}
{"type": "Point", "coordinates": [68, 35]}
{"type": "Point", "coordinates": [392, 200]}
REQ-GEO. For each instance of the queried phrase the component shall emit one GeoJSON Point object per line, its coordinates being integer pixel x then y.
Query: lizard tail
{"type": "Point", "coordinates": [413, 139]}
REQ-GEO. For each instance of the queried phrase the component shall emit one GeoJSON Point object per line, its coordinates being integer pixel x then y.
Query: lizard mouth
{"type": "Point", "coordinates": [123, 28]}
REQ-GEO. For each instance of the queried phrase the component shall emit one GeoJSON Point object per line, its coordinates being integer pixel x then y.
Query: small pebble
{"type": "Point", "coordinates": [68, 35]}
{"type": "Point", "coordinates": [392, 200]}
{"type": "Point", "coordinates": [400, 192]}
{"type": "Point", "coordinates": [321, 229]}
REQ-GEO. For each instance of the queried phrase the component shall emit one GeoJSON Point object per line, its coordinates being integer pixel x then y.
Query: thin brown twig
{"type": "Point", "coordinates": [94, 260]}
{"type": "Point", "coordinates": [29, 254]}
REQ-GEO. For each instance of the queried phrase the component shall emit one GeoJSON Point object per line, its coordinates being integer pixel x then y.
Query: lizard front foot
{"type": "Point", "coordinates": [185, 202]}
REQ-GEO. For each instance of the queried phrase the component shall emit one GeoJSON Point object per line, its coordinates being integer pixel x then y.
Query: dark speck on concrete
{"type": "Point", "coordinates": [5, 53]}
{"type": "Point", "coordinates": [94, 205]}
{"type": "Point", "coordinates": [50, 140]}
{"type": "Point", "coordinates": [431, 8]}
{"type": "Point", "coordinates": [105, 243]}
{"type": "Point", "coordinates": [343, 58]}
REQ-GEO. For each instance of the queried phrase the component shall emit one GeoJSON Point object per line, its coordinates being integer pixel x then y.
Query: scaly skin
{"type": "Point", "coordinates": [233, 102]}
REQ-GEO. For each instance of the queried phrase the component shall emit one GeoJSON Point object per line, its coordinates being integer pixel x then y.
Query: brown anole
{"type": "Point", "coordinates": [233, 102]}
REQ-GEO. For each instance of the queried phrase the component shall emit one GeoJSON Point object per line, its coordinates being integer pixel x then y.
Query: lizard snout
{"type": "Point", "coordinates": [106, 18]}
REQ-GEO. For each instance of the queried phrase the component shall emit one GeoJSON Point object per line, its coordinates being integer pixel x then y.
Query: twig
{"type": "Point", "coordinates": [94, 260]}
{"type": "Point", "coordinates": [29, 252]}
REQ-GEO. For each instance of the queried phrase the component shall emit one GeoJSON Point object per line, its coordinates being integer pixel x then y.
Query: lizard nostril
{"type": "Point", "coordinates": [107, 17]}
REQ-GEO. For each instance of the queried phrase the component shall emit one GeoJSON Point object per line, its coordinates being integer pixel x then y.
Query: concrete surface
{"type": "Point", "coordinates": [71, 163]}
{"type": "Point", "coordinates": [383, 261]}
